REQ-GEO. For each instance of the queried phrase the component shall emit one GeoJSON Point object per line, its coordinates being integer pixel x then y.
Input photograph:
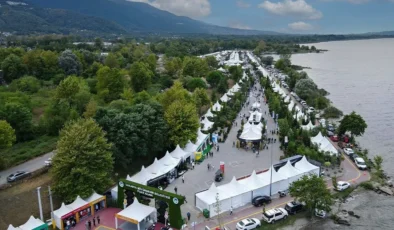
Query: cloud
{"type": "Point", "coordinates": [189, 8]}
{"type": "Point", "coordinates": [238, 25]}
{"type": "Point", "coordinates": [355, 1]}
{"type": "Point", "coordinates": [242, 4]}
{"type": "Point", "coordinates": [295, 8]}
{"type": "Point", "coordinates": [300, 26]}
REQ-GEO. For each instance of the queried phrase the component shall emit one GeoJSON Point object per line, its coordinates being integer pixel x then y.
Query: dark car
{"type": "Point", "coordinates": [330, 127]}
{"type": "Point", "coordinates": [294, 207]}
{"type": "Point", "coordinates": [17, 176]}
{"type": "Point", "coordinates": [353, 156]}
{"type": "Point", "coordinates": [218, 175]}
{"type": "Point", "coordinates": [260, 200]}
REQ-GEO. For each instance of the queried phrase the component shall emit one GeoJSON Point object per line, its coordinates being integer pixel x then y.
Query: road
{"type": "Point", "coordinates": [29, 166]}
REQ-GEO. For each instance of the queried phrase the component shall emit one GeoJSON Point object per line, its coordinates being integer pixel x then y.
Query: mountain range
{"type": "Point", "coordinates": [103, 17]}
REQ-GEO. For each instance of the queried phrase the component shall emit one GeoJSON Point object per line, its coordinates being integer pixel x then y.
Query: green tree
{"type": "Point", "coordinates": [13, 68]}
{"type": "Point", "coordinates": [173, 66]}
{"type": "Point", "coordinates": [313, 191]}
{"type": "Point", "coordinates": [267, 60]}
{"type": "Point", "coordinates": [182, 121]}
{"type": "Point", "coordinates": [112, 61]}
{"type": "Point", "coordinates": [141, 76]}
{"type": "Point", "coordinates": [214, 78]}
{"type": "Point", "coordinates": [352, 123]}
{"type": "Point", "coordinates": [20, 118]}
{"type": "Point", "coordinates": [70, 63]}
{"type": "Point", "coordinates": [235, 72]}
{"type": "Point", "coordinates": [110, 83]}
{"type": "Point", "coordinates": [75, 92]}
{"type": "Point", "coordinates": [200, 98]}
{"type": "Point", "coordinates": [222, 86]}
{"type": "Point", "coordinates": [152, 62]}
{"type": "Point", "coordinates": [378, 161]}
{"type": "Point", "coordinates": [260, 47]}
{"type": "Point", "coordinates": [195, 67]}
{"type": "Point", "coordinates": [194, 83]}
{"type": "Point", "coordinates": [175, 93]}
{"type": "Point", "coordinates": [7, 135]}
{"type": "Point", "coordinates": [91, 109]}
{"type": "Point", "coordinates": [305, 88]}
{"type": "Point", "coordinates": [26, 84]}
{"type": "Point", "coordinates": [83, 162]}
{"type": "Point", "coordinates": [332, 112]}
{"type": "Point", "coordinates": [284, 127]}
{"type": "Point", "coordinates": [212, 62]}
{"type": "Point", "coordinates": [321, 103]}
{"type": "Point", "coordinates": [334, 182]}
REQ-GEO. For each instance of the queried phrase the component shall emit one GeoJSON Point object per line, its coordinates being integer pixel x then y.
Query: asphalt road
{"type": "Point", "coordinates": [29, 166]}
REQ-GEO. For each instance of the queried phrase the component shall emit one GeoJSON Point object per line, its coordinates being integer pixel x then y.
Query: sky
{"type": "Point", "coordinates": [288, 16]}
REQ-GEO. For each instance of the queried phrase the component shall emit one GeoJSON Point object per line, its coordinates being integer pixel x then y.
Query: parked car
{"type": "Point", "coordinates": [360, 163]}
{"type": "Point", "coordinates": [329, 133]}
{"type": "Point", "coordinates": [294, 207]}
{"type": "Point", "coordinates": [273, 215]}
{"type": "Point", "coordinates": [19, 175]}
{"type": "Point", "coordinates": [330, 127]}
{"type": "Point", "coordinates": [311, 110]}
{"type": "Point", "coordinates": [322, 122]}
{"type": "Point", "coordinates": [353, 157]}
{"type": "Point", "coordinates": [48, 162]}
{"type": "Point", "coordinates": [348, 151]}
{"type": "Point", "coordinates": [320, 213]}
{"type": "Point", "coordinates": [260, 200]}
{"type": "Point", "coordinates": [342, 185]}
{"type": "Point", "coordinates": [334, 138]}
{"type": "Point", "coordinates": [249, 223]}
{"type": "Point", "coordinates": [218, 175]}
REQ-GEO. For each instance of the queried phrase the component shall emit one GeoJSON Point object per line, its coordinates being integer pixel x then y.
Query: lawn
{"type": "Point", "coordinates": [25, 151]}
{"type": "Point", "coordinates": [291, 219]}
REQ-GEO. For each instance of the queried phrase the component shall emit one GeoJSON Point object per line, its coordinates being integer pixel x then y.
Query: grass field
{"type": "Point", "coordinates": [25, 151]}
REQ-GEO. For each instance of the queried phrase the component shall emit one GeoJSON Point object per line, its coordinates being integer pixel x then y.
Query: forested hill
{"type": "Point", "coordinates": [101, 16]}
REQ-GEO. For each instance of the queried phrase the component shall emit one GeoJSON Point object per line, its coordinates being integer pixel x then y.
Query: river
{"type": "Point", "coordinates": [359, 75]}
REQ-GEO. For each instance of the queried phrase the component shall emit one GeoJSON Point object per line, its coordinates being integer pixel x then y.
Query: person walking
{"type": "Point", "coordinates": [98, 220]}
{"type": "Point", "coordinates": [90, 224]}
{"type": "Point", "coordinates": [217, 148]}
{"type": "Point", "coordinates": [212, 154]}
{"type": "Point", "coordinates": [188, 216]}
{"type": "Point", "coordinates": [193, 165]}
{"type": "Point", "coordinates": [176, 190]}
{"type": "Point", "coordinates": [94, 221]}
{"type": "Point", "coordinates": [208, 166]}
{"type": "Point", "coordinates": [231, 210]}
{"type": "Point", "coordinates": [233, 144]}
{"type": "Point", "coordinates": [183, 178]}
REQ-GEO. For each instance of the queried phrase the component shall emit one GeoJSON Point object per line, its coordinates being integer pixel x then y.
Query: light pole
{"type": "Point", "coordinates": [39, 203]}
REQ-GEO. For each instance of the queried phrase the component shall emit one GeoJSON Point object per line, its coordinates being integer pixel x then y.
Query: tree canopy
{"type": "Point", "coordinates": [352, 123]}
{"type": "Point", "coordinates": [7, 135]}
{"type": "Point", "coordinates": [83, 162]}
{"type": "Point", "coordinates": [141, 76]}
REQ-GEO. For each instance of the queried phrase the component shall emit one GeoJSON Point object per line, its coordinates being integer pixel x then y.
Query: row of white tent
{"type": "Point", "coordinates": [252, 131]}
{"type": "Point", "coordinates": [166, 164]}
{"type": "Point", "coordinates": [234, 59]}
{"type": "Point", "coordinates": [32, 223]}
{"type": "Point", "coordinates": [239, 193]}
{"type": "Point", "coordinates": [324, 144]}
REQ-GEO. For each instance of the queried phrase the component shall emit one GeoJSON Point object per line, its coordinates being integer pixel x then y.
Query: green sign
{"type": "Point", "coordinates": [174, 201]}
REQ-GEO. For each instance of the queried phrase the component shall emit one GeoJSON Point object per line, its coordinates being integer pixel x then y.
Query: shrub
{"type": "Point", "coordinates": [327, 164]}
{"type": "Point", "coordinates": [367, 185]}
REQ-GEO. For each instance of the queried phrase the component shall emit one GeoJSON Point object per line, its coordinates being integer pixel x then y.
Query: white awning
{"type": "Point", "coordinates": [142, 177]}
{"type": "Point", "coordinates": [217, 107]}
{"type": "Point", "coordinates": [32, 223]}
{"type": "Point", "coordinates": [252, 133]}
{"type": "Point", "coordinates": [225, 98]}
{"type": "Point", "coordinates": [207, 124]}
{"type": "Point", "coordinates": [136, 212]}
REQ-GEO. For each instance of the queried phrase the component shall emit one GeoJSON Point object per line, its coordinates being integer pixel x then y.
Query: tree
{"type": "Point", "coordinates": [141, 76]}
{"type": "Point", "coordinates": [332, 112]}
{"type": "Point", "coordinates": [75, 92]}
{"type": "Point", "coordinates": [313, 191]}
{"type": "Point", "coordinates": [214, 78]}
{"type": "Point", "coordinates": [20, 118]}
{"type": "Point", "coordinates": [173, 66]}
{"type": "Point", "coordinates": [110, 83]}
{"type": "Point", "coordinates": [13, 68]}
{"type": "Point", "coordinates": [212, 62]}
{"type": "Point", "coordinates": [70, 63]}
{"type": "Point", "coordinates": [218, 210]}
{"type": "Point", "coordinates": [284, 127]}
{"type": "Point", "coordinates": [352, 123]}
{"type": "Point", "coordinates": [267, 60]}
{"type": "Point", "coordinates": [321, 103]}
{"type": "Point", "coordinates": [334, 182]}
{"type": "Point", "coordinates": [282, 64]}
{"type": "Point", "coordinates": [91, 109]}
{"type": "Point", "coordinates": [182, 121]}
{"type": "Point", "coordinates": [194, 83]}
{"type": "Point", "coordinates": [305, 88]}
{"type": "Point", "coordinates": [200, 98]}
{"type": "Point", "coordinates": [378, 160]}
{"type": "Point", "coordinates": [235, 72]}
{"type": "Point", "coordinates": [260, 47]}
{"type": "Point", "coordinates": [175, 93]}
{"type": "Point", "coordinates": [195, 67]}
{"type": "Point", "coordinates": [7, 135]}
{"type": "Point", "coordinates": [26, 84]}
{"type": "Point", "coordinates": [111, 61]}
{"type": "Point", "coordinates": [222, 86]}
{"type": "Point", "coordinates": [83, 162]}
{"type": "Point", "coordinates": [152, 62]}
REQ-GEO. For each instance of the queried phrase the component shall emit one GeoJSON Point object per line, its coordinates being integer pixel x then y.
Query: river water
{"type": "Point", "coordinates": [359, 75]}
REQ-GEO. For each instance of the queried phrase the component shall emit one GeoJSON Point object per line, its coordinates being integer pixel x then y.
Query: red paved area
{"type": "Point", "coordinates": [107, 219]}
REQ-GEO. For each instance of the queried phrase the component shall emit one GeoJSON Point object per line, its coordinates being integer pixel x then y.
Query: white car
{"type": "Point", "coordinates": [311, 110]}
{"type": "Point", "coordinates": [360, 163]}
{"type": "Point", "coordinates": [320, 213]}
{"type": "Point", "coordinates": [348, 151]}
{"type": "Point", "coordinates": [48, 162]}
{"type": "Point", "coordinates": [249, 223]}
{"type": "Point", "coordinates": [273, 215]}
{"type": "Point", "coordinates": [322, 122]}
{"type": "Point", "coordinates": [342, 185]}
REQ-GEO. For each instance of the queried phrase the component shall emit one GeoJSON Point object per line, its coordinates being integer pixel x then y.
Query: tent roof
{"type": "Point", "coordinates": [137, 211]}
{"type": "Point", "coordinates": [253, 182]}
{"type": "Point", "coordinates": [169, 160]}
{"type": "Point", "coordinates": [257, 114]}
{"type": "Point", "coordinates": [233, 188]}
{"type": "Point", "coordinates": [288, 170]}
{"type": "Point", "coordinates": [217, 106]}
{"type": "Point", "coordinates": [266, 176]}
{"type": "Point", "coordinates": [93, 197]}
{"type": "Point", "coordinates": [207, 123]}
{"type": "Point", "coordinates": [291, 105]}
{"type": "Point", "coordinates": [77, 203]}
{"type": "Point", "coordinates": [287, 99]}
{"type": "Point", "coordinates": [157, 168]}
{"type": "Point", "coordinates": [308, 126]}
{"type": "Point", "coordinates": [251, 134]}
{"type": "Point", "coordinates": [225, 98]}
{"type": "Point", "coordinates": [142, 177]}
{"type": "Point", "coordinates": [209, 114]}
{"type": "Point", "coordinates": [209, 196]}
{"type": "Point", "coordinates": [201, 137]}
{"type": "Point", "coordinates": [317, 139]}
{"type": "Point", "coordinates": [32, 223]}
{"type": "Point", "coordinates": [179, 153]}
{"type": "Point", "coordinates": [256, 105]}
{"type": "Point", "coordinates": [304, 166]}
{"type": "Point", "coordinates": [221, 69]}
{"type": "Point", "coordinates": [11, 227]}
{"type": "Point", "coordinates": [63, 210]}
{"type": "Point", "coordinates": [190, 147]}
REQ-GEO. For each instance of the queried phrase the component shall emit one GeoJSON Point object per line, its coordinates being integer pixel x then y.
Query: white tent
{"type": "Point", "coordinates": [207, 124]}
{"type": "Point", "coordinates": [230, 93]}
{"type": "Point", "coordinates": [32, 223]}
{"type": "Point", "coordinates": [248, 125]}
{"type": "Point", "coordinates": [142, 177]}
{"type": "Point", "coordinates": [77, 204]}
{"type": "Point", "coordinates": [309, 126]}
{"type": "Point", "coordinates": [157, 169]}
{"type": "Point", "coordinates": [93, 197]}
{"type": "Point", "coordinates": [252, 133]}
{"type": "Point", "coordinates": [216, 107]}
{"type": "Point", "coordinates": [206, 199]}
{"type": "Point", "coordinates": [290, 172]}
{"type": "Point", "coordinates": [324, 144]}
{"type": "Point", "coordinates": [11, 227]}
{"type": "Point", "coordinates": [57, 214]}
{"type": "Point", "coordinates": [256, 105]}
{"type": "Point", "coordinates": [279, 181]}
{"type": "Point", "coordinates": [190, 148]}
{"type": "Point", "coordinates": [287, 99]}
{"type": "Point", "coordinates": [225, 98]}
{"type": "Point", "coordinates": [136, 213]}
{"type": "Point", "coordinates": [240, 195]}
{"type": "Point", "coordinates": [290, 106]}
{"type": "Point", "coordinates": [222, 70]}
{"type": "Point", "coordinates": [255, 116]}
{"type": "Point", "coordinates": [307, 168]}
{"type": "Point", "coordinates": [209, 114]}
{"type": "Point", "coordinates": [180, 153]}
{"type": "Point", "coordinates": [256, 185]}
{"type": "Point", "coordinates": [201, 137]}
{"type": "Point", "coordinates": [168, 160]}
